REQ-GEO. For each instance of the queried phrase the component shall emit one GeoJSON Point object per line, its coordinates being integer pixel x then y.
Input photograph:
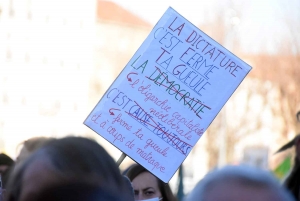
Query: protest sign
{"type": "Point", "coordinates": [167, 95]}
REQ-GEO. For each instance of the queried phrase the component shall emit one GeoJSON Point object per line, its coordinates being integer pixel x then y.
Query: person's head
{"type": "Point", "coordinates": [129, 187]}
{"type": "Point", "coordinates": [5, 163]}
{"type": "Point", "coordinates": [236, 183]}
{"type": "Point", "coordinates": [76, 191]}
{"type": "Point", "coordinates": [147, 186]}
{"type": "Point", "coordinates": [31, 145]}
{"type": "Point", "coordinates": [62, 160]}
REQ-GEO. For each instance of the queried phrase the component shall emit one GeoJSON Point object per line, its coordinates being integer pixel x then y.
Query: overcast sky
{"type": "Point", "coordinates": [262, 24]}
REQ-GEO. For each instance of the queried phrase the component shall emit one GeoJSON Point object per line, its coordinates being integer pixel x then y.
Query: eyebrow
{"type": "Point", "coordinates": [148, 188]}
{"type": "Point", "coordinates": [145, 189]}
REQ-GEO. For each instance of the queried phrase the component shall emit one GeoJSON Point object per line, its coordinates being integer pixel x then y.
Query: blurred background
{"type": "Point", "coordinates": [58, 57]}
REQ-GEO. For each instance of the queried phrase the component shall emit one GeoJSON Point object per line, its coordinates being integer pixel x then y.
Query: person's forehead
{"type": "Point", "coordinates": [145, 180]}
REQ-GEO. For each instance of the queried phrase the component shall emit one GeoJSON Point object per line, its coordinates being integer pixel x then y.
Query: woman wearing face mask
{"type": "Point", "coordinates": [147, 187]}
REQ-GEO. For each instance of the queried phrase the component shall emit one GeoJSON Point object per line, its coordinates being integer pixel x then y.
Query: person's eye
{"type": "Point", "coordinates": [136, 193]}
{"type": "Point", "coordinates": [149, 193]}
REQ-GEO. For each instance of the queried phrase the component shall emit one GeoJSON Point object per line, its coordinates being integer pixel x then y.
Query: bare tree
{"type": "Point", "coordinates": [279, 72]}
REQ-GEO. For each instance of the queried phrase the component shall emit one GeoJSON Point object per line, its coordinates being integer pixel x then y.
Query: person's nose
{"type": "Point", "coordinates": [139, 197]}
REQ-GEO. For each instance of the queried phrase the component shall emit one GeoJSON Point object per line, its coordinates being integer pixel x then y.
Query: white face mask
{"type": "Point", "coordinates": [152, 199]}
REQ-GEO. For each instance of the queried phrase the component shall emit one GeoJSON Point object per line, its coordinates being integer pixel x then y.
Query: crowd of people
{"type": "Point", "coordinates": [78, 168]}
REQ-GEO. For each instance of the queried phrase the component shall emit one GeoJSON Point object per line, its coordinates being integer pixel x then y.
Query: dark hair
{"type": "Point", "coordinates": [30, 145]}
{"type": "Point", "coordinates": [34, 143]}
{"type": "Point", "coordinates": [6, 160]}
{"type": "Point", "coordinates": [75, 191]}
{"type": "Point", "coordinates": [292, 182]}
{"type": "Point", "coordinates": [164, 188]}
{"type": "Point", "coordinates": [74, 157]}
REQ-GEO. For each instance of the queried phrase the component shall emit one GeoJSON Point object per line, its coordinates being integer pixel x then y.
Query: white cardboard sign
{"type": "Point", "coordinates": [167, 95]}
